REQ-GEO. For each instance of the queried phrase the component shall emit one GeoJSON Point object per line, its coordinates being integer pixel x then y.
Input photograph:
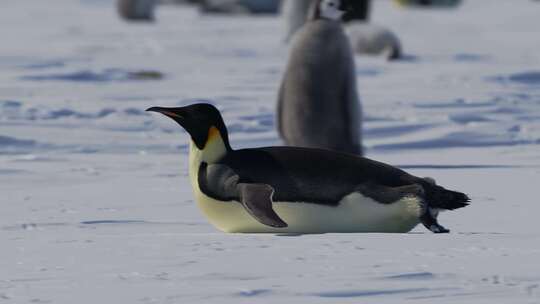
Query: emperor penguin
{"type": "Point", "coordinates": [301, 190]}
{"type": "Point", "coordinates": [318, 104]}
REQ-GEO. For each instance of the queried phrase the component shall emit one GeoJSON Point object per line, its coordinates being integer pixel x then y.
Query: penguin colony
{"type": "Point", "coordinates": [305, 189]}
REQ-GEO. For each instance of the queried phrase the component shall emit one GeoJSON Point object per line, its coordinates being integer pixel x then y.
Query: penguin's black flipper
{"type": "Point", "coordinates": [221, 182]}
{"type": "Point", "coordinates": [257, 200]}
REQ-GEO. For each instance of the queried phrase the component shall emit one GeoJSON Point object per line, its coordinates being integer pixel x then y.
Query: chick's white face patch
{"type": "Point", "coordinates": [329, 9]}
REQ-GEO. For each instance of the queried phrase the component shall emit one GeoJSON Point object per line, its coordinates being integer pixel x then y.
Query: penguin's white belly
{"type": "Point", "coordinates": [355, 213]}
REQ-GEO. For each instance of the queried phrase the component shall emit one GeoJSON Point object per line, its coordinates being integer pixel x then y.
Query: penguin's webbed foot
{"type": "Point", "coordinates": [438, 229]}
{"type": "Point", "coordinates": [429, 221]}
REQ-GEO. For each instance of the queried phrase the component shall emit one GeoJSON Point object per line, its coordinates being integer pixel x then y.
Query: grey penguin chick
{"type": "Point", "coordinates": [318, 104]}
{"type": "Point", "coordinates": [301, 190]}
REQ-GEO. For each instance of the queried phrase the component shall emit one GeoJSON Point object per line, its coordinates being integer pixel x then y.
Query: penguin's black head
{"type": "Point", "coordinates": [200, 120]}
{"type": "Point", "coordinates": [356, 10]}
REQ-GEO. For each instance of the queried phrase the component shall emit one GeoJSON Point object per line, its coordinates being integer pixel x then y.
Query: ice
{"type": "Point", "coordinates": [96, 202]}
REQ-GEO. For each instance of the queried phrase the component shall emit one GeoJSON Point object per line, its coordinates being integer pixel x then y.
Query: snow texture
{"type": "Point", "coordinates": [96, 203]}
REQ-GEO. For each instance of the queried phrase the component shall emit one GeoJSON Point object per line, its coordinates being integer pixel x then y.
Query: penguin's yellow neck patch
{"type": "Point", "coordinates": [214, 148]}
{"type": "Point", "coordinates": [213, 134]}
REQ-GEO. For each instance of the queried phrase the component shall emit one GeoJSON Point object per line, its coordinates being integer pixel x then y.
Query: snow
{"type": "Point", "coordinates": [96, 204]}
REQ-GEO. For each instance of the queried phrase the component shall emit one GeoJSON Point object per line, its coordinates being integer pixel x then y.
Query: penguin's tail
{"type": "Point", "coordinates": [440, 198]}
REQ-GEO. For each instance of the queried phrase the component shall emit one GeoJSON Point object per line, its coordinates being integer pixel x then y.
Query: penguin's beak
{"type": "Point", "coordinates": [180, 115]}
{"type": "Point", "coordinates": [175, 114]}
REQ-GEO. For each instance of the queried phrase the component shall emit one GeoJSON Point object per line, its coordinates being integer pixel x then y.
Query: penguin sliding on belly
{"type": "Point", "coordinates": [301, 190]}
{"type": "Point", "coordinates": [318, 104]}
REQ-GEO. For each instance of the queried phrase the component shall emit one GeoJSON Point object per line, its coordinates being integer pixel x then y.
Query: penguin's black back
{"type": "Point", "coordinates": [311, 175]}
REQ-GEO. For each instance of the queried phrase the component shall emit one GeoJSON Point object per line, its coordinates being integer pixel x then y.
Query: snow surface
{"type": "Point", "coordinates": [96, 206]}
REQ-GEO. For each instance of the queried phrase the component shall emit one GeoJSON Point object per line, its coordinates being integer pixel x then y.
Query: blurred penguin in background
{"type": "Point", "coordinates": [430, 3]}
{"type": "Point", "coordinates": [366, 38]}
{"type": "Point", "coordinates": [318, 104]}
{"type": "Point", "coordinates": [143, 10]}
{"type": "Point", "coordinates": [239, 6]}
{"type": "Point", "coordinates": [136, 10]}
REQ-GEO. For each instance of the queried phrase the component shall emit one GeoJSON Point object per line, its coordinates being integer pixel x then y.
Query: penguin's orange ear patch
{"type": "Point", "coordinates": [213, 133]}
